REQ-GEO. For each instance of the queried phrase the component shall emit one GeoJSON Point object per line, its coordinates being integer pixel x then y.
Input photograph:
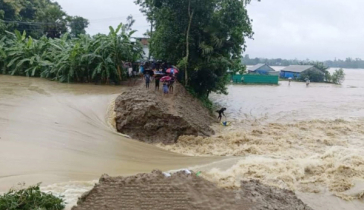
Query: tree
{"type": "Point", "coordinates": [204, 37]}
{"type": "Point", "coordinates": [147, 7]}
{"type": "Point", "coordinates": [54, 20]}
{"type": "Point", "coordinates": [78, 25]}
{"type": "Point", "coordinates": [338, 76]}
{"type": "Point", "coordinates": [38, 18]}
{"type": "Point", "coordinates": [313, 75]}
{"type": "Point", "coordinates": [319, 74]}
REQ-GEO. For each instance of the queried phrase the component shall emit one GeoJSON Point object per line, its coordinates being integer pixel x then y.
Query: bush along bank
{"type": "Point", "coordinates": [30, 198]}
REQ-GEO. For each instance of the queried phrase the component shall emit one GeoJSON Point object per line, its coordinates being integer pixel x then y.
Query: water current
{"type": "Point", "coordinates": [309, 140]}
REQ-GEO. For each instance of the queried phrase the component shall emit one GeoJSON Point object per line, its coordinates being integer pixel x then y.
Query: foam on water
{"type": "Point", "coordinates": [70, 191]}
{"type": "Point", "coordinates": [309, 156]}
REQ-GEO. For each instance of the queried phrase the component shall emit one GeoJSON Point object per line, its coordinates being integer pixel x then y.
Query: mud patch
{"type": "Point", "coordinates": [151, 117]}
{"type": "Point", "coordinates": [183, 191]}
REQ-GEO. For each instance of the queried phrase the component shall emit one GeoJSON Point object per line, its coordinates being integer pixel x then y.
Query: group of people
{"type": "Point", "coordinates": [152, 70]}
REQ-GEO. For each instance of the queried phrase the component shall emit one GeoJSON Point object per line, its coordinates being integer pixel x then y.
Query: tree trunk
{"type": "Point", "coordinates": [151, 33]}
{"type": "Point", "coordinates": [190, 15]}
{"type": "Point", "coordinates": [119, 72]}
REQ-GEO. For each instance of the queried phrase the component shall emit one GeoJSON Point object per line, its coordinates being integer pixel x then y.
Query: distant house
{"type": "Point", "coordinates": [145, 43]}
{"type": "Point", "coordinates": [294, 71]}
{"type": "Point", "coordinates": [263, 69]}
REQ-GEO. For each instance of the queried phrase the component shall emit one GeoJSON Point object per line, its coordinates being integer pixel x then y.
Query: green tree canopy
{"type": "Point", "coordinates": [78, 25]}
{"type": "Point", "coordinates": [38, 18]}
{"type": "Point", "coordinates": [338, 76]}
{"type": "Point", "coordinates": [204, 37]}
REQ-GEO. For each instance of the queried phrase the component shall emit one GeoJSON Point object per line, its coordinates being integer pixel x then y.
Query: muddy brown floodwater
{"type": "Point", "coordinates": [59, 134]}
{"type": "Point", "coordinates": [308, 140]}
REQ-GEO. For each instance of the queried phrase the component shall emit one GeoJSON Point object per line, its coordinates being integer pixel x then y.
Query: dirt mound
{"type": "Point", "coordinates": [182, 190]}
{"type": "Point", "coordinates": [266, 197]}
{"type": "Point", "coordinates": [151, 117]}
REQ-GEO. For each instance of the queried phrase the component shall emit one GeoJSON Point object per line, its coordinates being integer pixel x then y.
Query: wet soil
{"type": "Point", "coordinates": [152, 117]}
{"type": "Point", "coordinates": [183, 190]}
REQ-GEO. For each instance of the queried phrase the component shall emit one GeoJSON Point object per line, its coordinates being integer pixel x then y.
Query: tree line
{"type": "Point", "coordinates": [204, 38]}
{"type": "Point", "coordinates": [38, 18]}
{"type": "Point", "coordinates": [337, 63]}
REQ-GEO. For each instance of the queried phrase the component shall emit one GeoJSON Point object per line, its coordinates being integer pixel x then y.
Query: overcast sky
{"type": "Point", "coordinates": [313, 29]}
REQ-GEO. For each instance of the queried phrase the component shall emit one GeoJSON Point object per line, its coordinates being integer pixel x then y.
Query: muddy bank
{"type": "Point", "coordinates": [149, 116]}
{"type": "Point", "coordinates": [183, 190]}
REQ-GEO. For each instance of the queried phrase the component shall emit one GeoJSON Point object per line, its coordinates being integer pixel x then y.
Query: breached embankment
{"type": "Point", "coordinates": [153, 118]}
{"type": "Point", "coordinates": [183, 190]}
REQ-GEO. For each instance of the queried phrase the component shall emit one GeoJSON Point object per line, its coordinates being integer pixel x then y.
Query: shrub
{"type": "Point", "coordinates": [30, 198]}
{"type": "Point", "coordinates": [338, 76]}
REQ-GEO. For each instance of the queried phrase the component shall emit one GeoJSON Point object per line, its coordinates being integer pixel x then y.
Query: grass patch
{"type": "Point", "coordinates": [30, 198]}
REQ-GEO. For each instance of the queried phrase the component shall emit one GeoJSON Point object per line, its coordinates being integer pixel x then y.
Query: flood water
{"type": "Point", "coordinates": [296, 102]}
{"type": "Point", "coordinates": [60, 134]}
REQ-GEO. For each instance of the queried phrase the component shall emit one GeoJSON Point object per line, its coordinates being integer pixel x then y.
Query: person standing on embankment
{"type": "Point", "coordinates": [147, 80]}
{"type": "Point", "coordinates": [157, 81]}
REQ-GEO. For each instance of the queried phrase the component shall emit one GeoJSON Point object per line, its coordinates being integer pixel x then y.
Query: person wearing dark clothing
{"type": "Point", "coordinates": [221, 112]}
{"type": "Point", "coordinates": [147, 80]}
{"type": "Point", "coordinates": [164, 68]}
{"type": "Point", "coordinates": [157, 79]}
{"type": "Point", "coordinates": [171, 83]}
{"type": "Point", "coordinates": [153, 66]}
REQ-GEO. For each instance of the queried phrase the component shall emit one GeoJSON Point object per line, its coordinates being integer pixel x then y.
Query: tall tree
{"type": "Point", "coordinates": [53, 20]}
{"type": "Point", "coordinates": [39, 18]}
{"type": "Point", "coordinates": [204, 37]}
{"type": "Point", "coordinates": [78, 25]}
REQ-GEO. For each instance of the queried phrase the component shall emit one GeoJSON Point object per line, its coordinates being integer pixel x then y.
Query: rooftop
{"type": "Point", "coordinates": [297, 68]}
{"type": "Point", "coordinates": [253, 68]}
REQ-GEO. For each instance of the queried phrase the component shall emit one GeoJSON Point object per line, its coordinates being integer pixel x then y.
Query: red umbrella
{"type": "Point", "coordinates": [172, 70]}
{"type": "Point", "coordinates": [165, 78]}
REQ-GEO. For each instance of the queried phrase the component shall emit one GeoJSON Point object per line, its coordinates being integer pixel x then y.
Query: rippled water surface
{"type": "Point", "coordinates": [60, 134]}
{"type": "Point", "coordinates": [296, 101]}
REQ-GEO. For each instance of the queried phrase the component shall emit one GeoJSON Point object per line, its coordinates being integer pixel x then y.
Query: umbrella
{"type": "Point", "coordinates": [166, 78]}
{"type": "Point", "coordinates": [172, 70]}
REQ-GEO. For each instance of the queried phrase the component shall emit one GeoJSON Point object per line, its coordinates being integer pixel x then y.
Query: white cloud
{"type": "Point", "coordinates": [314, 29]}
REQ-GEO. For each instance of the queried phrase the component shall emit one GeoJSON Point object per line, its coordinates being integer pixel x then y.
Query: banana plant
{"type": "Point", "coordinates": [66, 59]}
{"type": "Point", "coordinates": [27, 56]}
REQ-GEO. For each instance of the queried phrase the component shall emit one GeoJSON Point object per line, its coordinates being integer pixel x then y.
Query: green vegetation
{"type": "Point", "coordinates": [38, 18]}
{"type": "Point", "coordinates": [322, 74]}
{"type": "Point", "coordinates": [338, 76]}
{"type": "Point", "coordinates": [205, 38]}
{"type": "Point", "coordinates": [84, 59]}
{"type": "Point", "coordinates": [347, 63]}
{"type": "Point", "coordinates": [30, 198]}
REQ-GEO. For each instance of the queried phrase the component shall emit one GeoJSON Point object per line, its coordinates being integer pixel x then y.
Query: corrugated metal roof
{"type": "Point", "coordinates": [253, 68]}
{"type": "Point", "coordinates": [297, 68]}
